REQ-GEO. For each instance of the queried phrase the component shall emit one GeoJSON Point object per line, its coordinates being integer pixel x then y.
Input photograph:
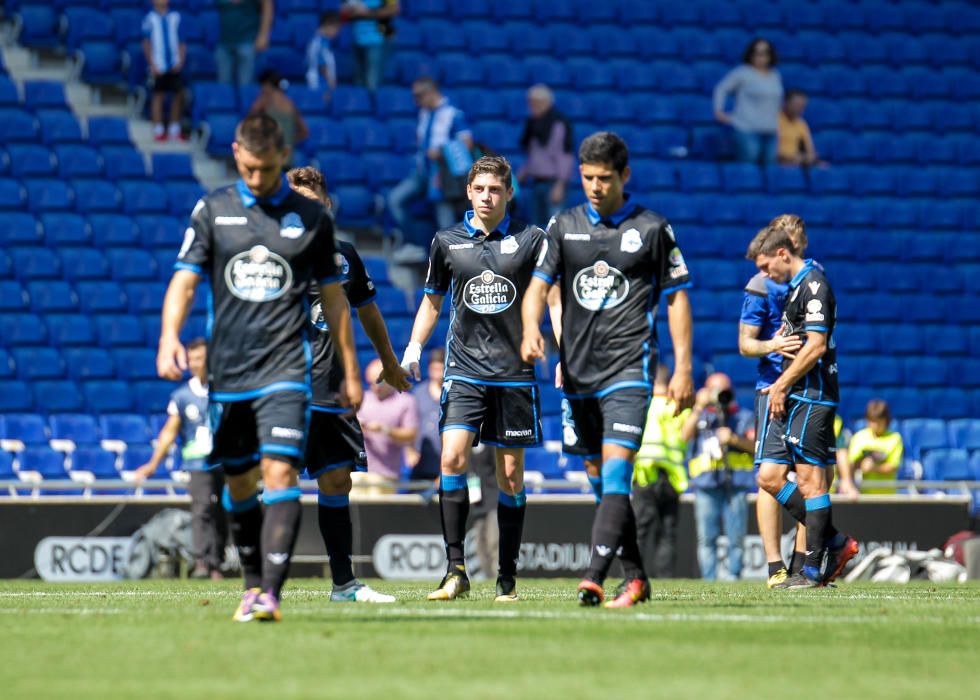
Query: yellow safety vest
{"type": "Point", "coordinates": [888, 446]}
{"type": "Point", "coordinates": [662, 446]}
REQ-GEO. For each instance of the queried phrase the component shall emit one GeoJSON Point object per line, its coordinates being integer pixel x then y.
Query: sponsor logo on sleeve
{"type": "Point", "coordinates": [188, 241]}
{"type": "Point", "coordinates": [258, 274]}
{"type": "Point", "coordinates": [291, 226]}
{"type": "Point", "coordinates": [230, 220]}
{"type": "Point", "coordinates": [630, 241]}
{"type": "Point", "coordinates": [489, 293]}
{"type": "Point", "coordinates": [814, 309]}
{"type": "Point", "coordinates": [543, 254]}
{"type": "Point", "coordinates": [678, 267]}
{"type": "Point", "coordinates": [600, 287]}
{"type": "Point", "coordinates": [814, 286]}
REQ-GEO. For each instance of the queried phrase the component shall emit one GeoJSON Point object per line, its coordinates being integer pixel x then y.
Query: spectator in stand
{"type": "Point", "coordinates": [244, 32]}
{"type": "Point", "coordinates": [371, 21]}
{"type": "Point", "coordinates": [758, 90]}
{"type": "Point", "coordinates": [165, 55]}
{"type": "Point", "coordinates": [876, 451]}
{"type": "Point", "coordinates": [721, 472]}
{"type": "Point", "coordinates": [321, 66]}
{"type": "Point", "coordinates": [187, 421]}
{"type": "Point", "coordinates": [272, 100]}
{"type": "Point", "coordinates": [426, 456]}
{"type": "Point", "coordinates": [547, 140]}
{"type": "Point", "coordinates": [390, 422]}
{"type": "Point", "coordinates": [440, 123]}
{"type": "Point", "coordinates": [795, 142]}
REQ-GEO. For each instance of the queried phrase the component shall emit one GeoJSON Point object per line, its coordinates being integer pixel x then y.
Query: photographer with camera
{"type": "Point", "coordinates": [721, 471]}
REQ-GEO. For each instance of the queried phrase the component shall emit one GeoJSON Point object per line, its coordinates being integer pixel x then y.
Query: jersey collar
{"type": "Point", "coordinates": [807, 266]}
{"type": "Point", "coordinates": [502, 228]}
{"type": "Point", "coordinates": [249, 199]}
{"type": "Point", "coordinates": [197, 388]}
{"type": "Point", "coordinates": [616, 218]}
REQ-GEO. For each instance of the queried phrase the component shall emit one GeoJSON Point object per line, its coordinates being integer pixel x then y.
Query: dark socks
{"type": "Point", "coordinates": [454, 509]}
{"type": "Point", "coordinates": [792, 500]}
{"type": "Point", "coordinates": [775, 567]}
{"type": "Point", "coordinates": [246, 531]}
{"type": "Point", "coordinates": [607, 530]}
{"type": "Point", "coordinates": [333, 515]}
{"type": "Point", "coordinates": [510, 522]}
{"type": "Point", "coordinates": [818, 518]}
{"type": "Point", "coordinates": [629, 549]}
{"type": "Point", "coordinates": [796, 562]}
{"type": "Point", "coordinates": [280, 527]}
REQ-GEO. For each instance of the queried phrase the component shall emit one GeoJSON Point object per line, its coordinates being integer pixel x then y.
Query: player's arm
{"type": "Point", "coordinates": [336, 313]}
{"type": "Point", "coordinates": [845, 474]}
{"type": "Point", "coordinates": [425, 323]}
{"type": "Point", "coordinates": [749, 344]}
{"type": "Point", "coordinates": [165, 440]}
{"type": "Point", "coordinates": [554, 311]}
{"type": "Point", "coordinates": [171, 354]}
{"type": "Point", "coordinates": [532, 312]}
{"type": "Point", "coordinates": [806, 359]}
{"type": "Point", "coordinates": [374, 326]}
{"type": "Point", "coordinates": [265, 25]}
{"type": "Point", "coordinates": [681, 387]}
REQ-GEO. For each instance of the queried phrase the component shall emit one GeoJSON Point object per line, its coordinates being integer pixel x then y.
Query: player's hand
{"type": "Point", "coordinates": [261, 42]}
{"type": "Point", "coordinates": [351, 395]}
{"type": "Point", "coordinates": [681, 391]}
{"type": "Point", "coordinates": [777, 400]}
{"type": "Point", "coordinates": [171, 358]}
{"type": "Point", "coordinates": [532, 346]}
{"type": "Point", "coordinates": [143, 472]}
{"type": "Point", "coordinates": [411, 359]}
{"type": "Point", "coordinates": [559, 377]}
{"type": "Point", "coordinates": [787, 345]}
{"type": "Point", "coordinates": [396, 377]}
{"type": "Point", "coordinates": [848, 490]}
{"type": "Point", "coordinates": [557, 194]}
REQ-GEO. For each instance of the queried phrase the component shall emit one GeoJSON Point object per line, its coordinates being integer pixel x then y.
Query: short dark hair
{"type": "Point", "coordinates": [878, 410]}
{"type": "Point", "coordinates": [793, 92]}
{"type": "Point", "coordinates": [270, 76]}
{"type": "Point", "coordinates": [197, 343]}
{"type": "Point", "coordinates": [426, 81]}
{"type": "Point", "coordinates": [259, 133]}
{"type": "Point", "coordinates": [307, 176]}
{"type": "Point", "coordinates": [329, 17]}
{"type": "Point", "coordinates": [490, 165]}
{"type": "Point", "coordinates": [750, 49]}
{"type": "Point", "coordinates": [795, 226]}
{"type": "Point", "coordinates": [604, 147]}
{"type": "Point", "coordinates": [768, 241]}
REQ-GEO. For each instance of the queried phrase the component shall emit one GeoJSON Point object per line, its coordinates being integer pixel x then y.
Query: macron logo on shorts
{"type": "Point", "coordinates": [287, 433]}
{"type": "Point", "coordinates": [624, 428]}
{"type": "Point", "coordinates": [519, 433]}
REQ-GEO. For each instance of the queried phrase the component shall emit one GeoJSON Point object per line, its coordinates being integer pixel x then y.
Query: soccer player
{"type": "Point", "coordinates": [187, 419]}
{"type": "Point", "coordinates": [489, 393]}
{"type": "Point", "coordinates": [612, 259]}
{"type": "Point", "coordinates": [260, 244]}
{"type": "Point", "coordinates": [802, 405]}
{"type": "Point", "coordinates": [335, 444]}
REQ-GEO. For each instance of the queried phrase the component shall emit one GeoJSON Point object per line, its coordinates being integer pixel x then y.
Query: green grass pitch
{"type": "Point", "coordinates": [172, 639]}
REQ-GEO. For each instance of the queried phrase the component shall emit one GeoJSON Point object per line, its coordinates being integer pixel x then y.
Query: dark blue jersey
{"type": "Point", "coordinates": [259, 257]}
{"type": "Point", "coordinates": [612, 273]}
{"type": "Point", "coordinates": [189, 403]}
{"type": "Point", "coordinates": [763, 307]}
{"type": "Point", "coordinates": [811, 306]}
{"type": "Point", "coordinates": [485, 276]}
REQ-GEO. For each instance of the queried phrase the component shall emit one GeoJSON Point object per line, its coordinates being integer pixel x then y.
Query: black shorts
{"type": "Point", "coordinates": [334, 441]}
{"type": "Point", "coordinates": [804, 436]}
{"type": "Point", "coordinates": [502, 416]}
{"type": "Point", "coordinates": [617, 418]}
{"type": "Point", "coordinates": [273, 425]}
{"type": "Point", "coordinates": [168, 82]}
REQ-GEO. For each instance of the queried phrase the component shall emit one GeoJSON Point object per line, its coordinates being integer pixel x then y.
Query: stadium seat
{"type": "Point", "coordinates": [64, 229]}
{"type": "Point", "coordinates": [106, 131]}
{"type": "Point", "coordinates": [120, 330]}
{"type": "Point", "coordinates": [102, 64]}
{"type": "Point", "coordinates": [130, 265]}
{"type": "Point", "coordinates": [79, 428]}
{"type": "Point", "coordinates": [38, 25]}
{"type": "Point", "coordinates": [27, 428]}
{"type": "Point", "coordinates": [948, 465]}
{"type": "Point", "coordinates": [107, 397]}
{"type": "Point", "coordinates": [924, 434]}
{"type": "Point", "coordinates": [48, 196]}
{"type": "Point", "coordinates": [80, 264]}
{"type": "Point", "coordinates": [89, 363]}
{"type": "Point", "coordinates": [31, 160]}
{"type": "Point", "coordinates": [51, 296]}
{"type": "Point", "coordinates": [168, 167]}
{"type": "Point", "coordinates": [22, 330]}
{"type": "Point", "coordinates": [96, 461]}
{"type": "Point", "coordinates": [129, 428]}
{"type": "Point", "coordinates": [44, 461]}
{"type": "Point", "coordinates": [964, 434]}
{"type": "Point", "coordinates": [18, 126]}
{"type": "Point", "coordinates": [13, 297]}
{"type": "Point", "coordinates": [158, 231]}
{"type": "Point", "coordinates": [7, 466]}
{"type": "Point", "coordinates": [135, 363]}
{"type": "Point", "coordinates": [58, 397]}
{"type": "Point", "coordinates": [110, 230]}
{"type": "Point", "coordinates": [18, 228]}
{"type": "Point", "coordinates": [59, 127]}
{"type": "Point", "coordinates": [101, 297]}
{"type": "Point", "coordinates": [153, 396]}
{"type": "Point", "coordinates": [15, 395]}
{"type": "Point", "coordinates": [144, 198]}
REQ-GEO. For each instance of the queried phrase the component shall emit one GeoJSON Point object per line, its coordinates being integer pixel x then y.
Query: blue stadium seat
{"type": "Point", "coordinates": [948, 402]}
{"type": "Point", "coordinates": [145, 297]}
{"type": "Point", "coordinates": [75, 161]}
{"type": "Point", "coordinates": [80, 428]}
{"type": "Point", "coordinates": [35, 263]}
{"type": "Point", "coordinates": [699, 177]}
{"type": "Point", "coordinates": [15, 395]}
{"type": "Point", "coordinates": [201, 65]}
{"type": "Point", "coordinates": [213, 98]}
{"type": "Point", "coordinates": [130, 428]}
{"type": "Point", "coordinates": [29, 428]}
{"type": "Point", "coordinates": [653, 176]}
{"type": "Point", "coordinates": [12, 194]}
{"type": "Point", "coordinates": [367, 135]}
{"type": "Point", "coordinates": [18, 228]}
{"type": "Point", "coordinates": [168, 167]}
{"type": "Point", "coordinates": [395, 101]}
{"type": "Point", "coordinates": [89, 363]}
{"type": "Point", "coordinates": [6, 365]}
{"type": "Point", "coordinates": [7, 466]}
{"type": "Point", "coordinates": [356, 206]}
{"type": "Point", "coordinates": [104, 131]}
{"type": "Point", "coordinates": [39, 25]}
{"type": "Point", "coordinates": [44, 94]}
{"type": "Point", "coordinates": [135, 363]}
{"type": "Point", "coordinates": [144, 198]}
{"type": "Point", "coordinates": [741, 177]}
{"type": "Point", "coordinates": [18, 126]}
{"type": "Point", "coordinates": [157, 231]}
{"type": "Point", "coordinates": [153, 396]}
{"type": "Point", "coordinates": [22, 330]}
{"type": "Point", "coordinates": [31, 160]}
{"type": "Point", "coordinates": [117, 330]}
{"type": "Point", "coordinates": [59, 127]}
{"type": "Point", "coordinates": [51, 296]}
{"type": "Point", "coordinates": [96, 461]}
{"type": "Point", "coordinates": [107, 397]}
{"type": "Point", "coordinates": [63, 229]}
{"type": "Point", "coordinates": [964, 434]}
{"type": "Point", "coordinates": [392, 301]}
{"type": "Point", "coordinates": [948, 465]}
{"type": "Point", "coordinates": [58, 397]}
{"type": "Point", "coordinates": [45, 461]}
{"type": "Point", "coordinates": [182, 197]}
{"type": "Point", "coordinates": [924, 434]}
{"type": "Point", "coordinates": [48, 196]}
{"type": "Point", "coordinates": [137, 455]}
{"type": "Point", "coordinates": [102, 63]}
{"type": "Point", "coordinates": [13, 297]}
{"type": "Point", "coordinates": [945, 339]}
{"type": "Point", "coordinates": [38, 363]}
{"type": "Point", "coordinates": [130, 264]}
{"type": "Point", "coordinates": [83, 264]}
{"type": "Point", "coordinates": [101, 297]}
{"type": "Point", "coordinates": [111, 230]}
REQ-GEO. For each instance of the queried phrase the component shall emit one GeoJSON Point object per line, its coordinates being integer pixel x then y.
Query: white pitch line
{"type": "Point", "coordinates": [62, 611]}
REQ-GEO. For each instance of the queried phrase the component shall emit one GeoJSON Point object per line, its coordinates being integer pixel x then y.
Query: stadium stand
{"type": "Point", "coordinates": [89, 227]}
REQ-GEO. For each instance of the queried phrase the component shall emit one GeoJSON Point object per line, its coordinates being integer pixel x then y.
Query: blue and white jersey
{"type": "Point", "coordinates": [437, 127]}
{"type": "Point", "coordinates": [367, 31]}
{"type": "Point", "coordinates": [163, 31]}
{"type": "Point", "coordinates": [190, 404]}
{"type": "Point", "coordinates": [762, 306]}
{"type": "Point", "coordinates": [318, 55]}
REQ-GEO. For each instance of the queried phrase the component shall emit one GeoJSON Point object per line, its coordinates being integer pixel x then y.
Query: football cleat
{"type": "Point", "coordinates": [778, 579]}
{"type": "Point", "coordinates": [357, 592]}
{"type": "Point", "coordinates": [590, 594]}
{"type": "Point", "coordinates": [266, 608]}
{"type": "Point", "coordinates": [637, 590]}
{"type": "Point", "coordinates": [506, 590]}
{"type": "Point", "coordinates": [837, 559]}
{"type": "Point", "coordinates": [244, 613]}
{"type": "Point", "coordinates": [797, 581]}
{"type": "Point", "coordinates": [455, 584]}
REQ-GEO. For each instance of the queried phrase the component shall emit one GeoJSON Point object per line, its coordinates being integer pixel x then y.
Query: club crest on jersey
{"type": "Point", "coordinates": [192, 412]}
{"type": "Point", "coordinates": [489, 293]}
{"type": "Point", "coordinates": [291, 226]}
{"type": "Point", "coordinates": [600, 287]}
{"type": "Point", "coordinates": [631, 241]}
{"type": "Point", "coordinates": [509, 245]}
{"type": "Point", "coordinates": [316, 317]}
{"type": "Point", "coordinates": [258, 274]}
